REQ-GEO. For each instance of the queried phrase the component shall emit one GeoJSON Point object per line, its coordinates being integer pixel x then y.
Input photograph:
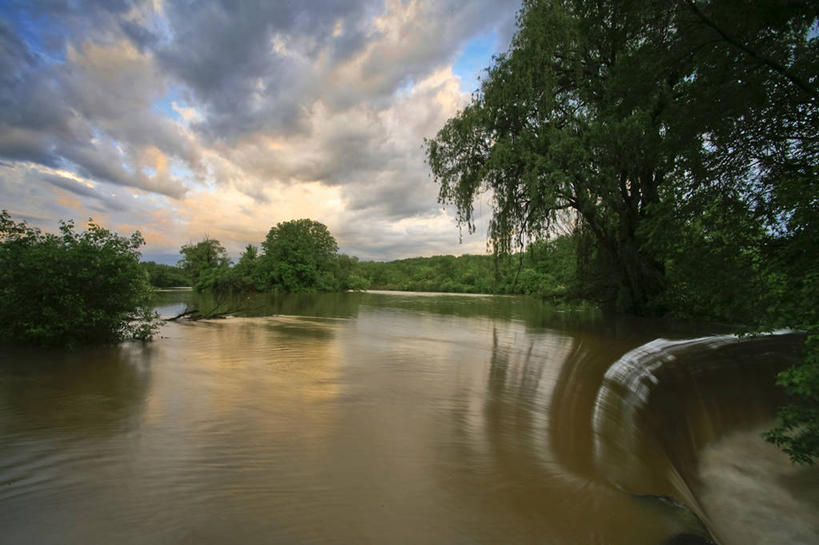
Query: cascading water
{"type": "Point", "coordinates": [625, 393]}
{"type": "Point", "coordinates": [661, 404]}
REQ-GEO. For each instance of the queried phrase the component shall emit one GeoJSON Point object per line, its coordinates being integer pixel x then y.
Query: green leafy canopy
{"type": "Point", "coordinates": [679, 141]}
{"type": "Point", "coordinates": [72, 288]}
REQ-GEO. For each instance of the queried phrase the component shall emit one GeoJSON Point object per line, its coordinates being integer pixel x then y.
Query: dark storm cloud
{"type": "Point", "coordinates": [14, 54]}
{"type": "Point", "coordinates": [48, 24]}
{"type": "Point", "coordinates": [32, 113]}
{"type": "Point", "coordinates": [143, 38]}
{"type": "Point", "coordinates": [392, 201]}
{"type": "Point", "coordinates": [69, 185]}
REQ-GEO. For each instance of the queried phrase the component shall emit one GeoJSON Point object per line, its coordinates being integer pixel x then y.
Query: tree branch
{"type": "Point", "coordinates": [770, 63]}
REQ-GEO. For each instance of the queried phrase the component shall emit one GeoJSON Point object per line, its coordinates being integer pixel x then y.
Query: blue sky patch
{"type": "Point", "coordinates": [474, 59]}
{"type": "Point", "coordinates": [164, 106]}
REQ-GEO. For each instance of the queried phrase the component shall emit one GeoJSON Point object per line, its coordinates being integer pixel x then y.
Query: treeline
{"type": "Point", "coordinates": [546, 269]}
{"type": "Point", "coordinates": [298, 256]}
{"type": "Point", "coordinates": [165, 276]}
{"type": "Point", "coordinates": [295, 261]}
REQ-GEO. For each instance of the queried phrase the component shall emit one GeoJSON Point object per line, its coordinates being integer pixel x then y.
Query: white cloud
{"type": "Point", "coordinates": [282, 111]}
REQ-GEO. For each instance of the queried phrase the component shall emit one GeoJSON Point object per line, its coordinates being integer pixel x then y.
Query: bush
{"type": "Point", "coordinates": [72, 288]}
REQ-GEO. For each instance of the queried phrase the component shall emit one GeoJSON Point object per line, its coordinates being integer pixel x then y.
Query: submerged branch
{"type": "Point", "coordinates": [182, 315]}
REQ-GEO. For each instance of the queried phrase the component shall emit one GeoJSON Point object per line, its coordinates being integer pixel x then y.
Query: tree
{"type": "Point", "coordinates": [299, 256]}
{"type": "Point", "coordinates": [165, 276]}
{"type": "Point", "coordinates": [568, 125]}
{"type": "Point", "coordinates": [749, 207]}
{"type": "Point", "coordinates": [601, 110]}
{"type": "Point", "coordinates": [72, 288]}
{"type": "Point", "coordinates": [679, 139]}
{"type": "Point", "coordinates": [348, 274]}
{"type": "Point", "coordinates": [797, 429]}
{"type": "Point", "coordinates": [201, 257]}
{"type": "Point", "coordinates": [248, 273]}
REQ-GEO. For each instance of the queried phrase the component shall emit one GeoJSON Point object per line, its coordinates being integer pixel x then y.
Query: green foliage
{"type": "Point", "coordinates": [300, 256]}
{"type": "Point", "coordinates": [550, 268]}
{"type": "Point", "coordinates": [569, 126]}
{"type": "Point", "coordinates": [602, 111]}
{"type": "Point", "coordinates": [464, 274]}
{"type": "Point", "coordinates": [71, 288]}
{"type": "Point", "coordinates": [797, 429]}
{"type": "Point", "coordinates": [793, 271]}
{"type": "Point", "coordinates": [201, 260]}
{"type": "Point", "coordinates": [678, 141]}
{"type": "Point", "coordinates": [248, 273]}
{"type": "Point", "coordinates": [348, 274]}
{"type": "Point", "coordinates": [713, 250]}
{"type": "Point", "coordinates": [165, 276]}
{"type": "Point", "coordinates": [297, 256]}
{"type": "Point", "coordinates": [546, 269]}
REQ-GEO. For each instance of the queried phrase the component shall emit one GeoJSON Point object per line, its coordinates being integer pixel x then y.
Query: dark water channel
{"type": "Point", "coordinates": [401, 419]}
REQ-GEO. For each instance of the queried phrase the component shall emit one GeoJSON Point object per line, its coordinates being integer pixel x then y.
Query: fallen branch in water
{"type": "Point", "coordinates": [178, 316]}
{"type": "Point", "coordinates": [213, 314]}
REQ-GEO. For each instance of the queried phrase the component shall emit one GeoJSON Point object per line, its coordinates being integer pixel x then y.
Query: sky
{"type": "Point", "coordinates": [192, 119]}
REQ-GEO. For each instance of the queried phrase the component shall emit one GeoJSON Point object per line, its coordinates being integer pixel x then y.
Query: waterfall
{"type": "Point", "coordinates": [662, 403]}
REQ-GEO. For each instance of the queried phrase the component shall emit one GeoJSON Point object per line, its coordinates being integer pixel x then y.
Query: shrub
{"type": "Point", "coordinates": [72, 288]}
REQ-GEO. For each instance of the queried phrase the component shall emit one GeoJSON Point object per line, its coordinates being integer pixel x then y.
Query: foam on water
{"type": "Point", "coordinates": [753, 493]}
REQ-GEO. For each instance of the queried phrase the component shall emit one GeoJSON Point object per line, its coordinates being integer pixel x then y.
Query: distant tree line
{"type": "Point", "coordinates": [300, 256]}
{"type": "Point", "coordinates": [165, 276]}
{"type": "Point", "coordinates": [545, 269]}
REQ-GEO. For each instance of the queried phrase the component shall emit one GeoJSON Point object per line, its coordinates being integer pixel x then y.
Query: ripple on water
{"type": "Point", "coordinates": [412, 422]}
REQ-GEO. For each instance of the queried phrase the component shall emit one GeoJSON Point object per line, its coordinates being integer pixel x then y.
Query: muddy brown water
{"type": "Point", "coordinates": [401, 418]}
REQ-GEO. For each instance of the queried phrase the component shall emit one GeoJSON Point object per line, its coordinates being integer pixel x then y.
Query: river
{"type": "Point", "coordinates": [379, 418]}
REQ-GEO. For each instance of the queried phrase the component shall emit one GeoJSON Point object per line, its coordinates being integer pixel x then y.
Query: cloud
{"type": "Point", "coordinates": [227, 118]}
{"type": "Point", "coordinates": [379, 239]}
{"type": "Point", "coordinates": [261, 66]}
{"type": "Point", "coordinates": [91, 114]}
{"type": "Point", "coordinates": [55, 194]}
{"type": "Point", "coordinates": [373, 154]}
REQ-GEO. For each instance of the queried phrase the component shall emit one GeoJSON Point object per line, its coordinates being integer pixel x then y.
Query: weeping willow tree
{"type": "Point", "coordinates": [611, 110]}
{"type": "Point", "coordinates": [561, 124]}
{"type": "Point", "coordinates": [680, 136]}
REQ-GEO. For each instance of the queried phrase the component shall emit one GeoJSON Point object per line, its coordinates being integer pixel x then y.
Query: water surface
{"type": "Point", "coordinates": [386, 418]}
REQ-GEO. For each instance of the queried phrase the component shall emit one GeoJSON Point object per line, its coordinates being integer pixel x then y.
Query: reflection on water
{"type": "Point", "coordinates": [172, 301]}
{"type": "Point", "coordinates": [63, 418]}
{"type": "Point", "coordinates": [375, 418]}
